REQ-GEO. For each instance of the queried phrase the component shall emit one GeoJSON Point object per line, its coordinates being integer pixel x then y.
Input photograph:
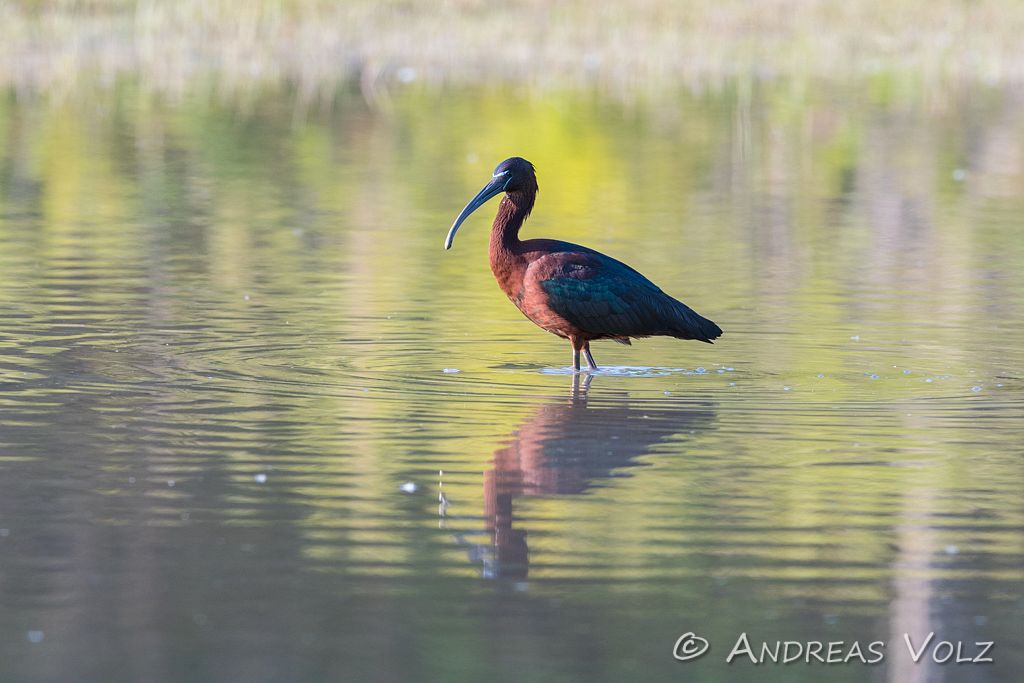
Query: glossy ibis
{"type": "Point", "coordinates": [571, 291]}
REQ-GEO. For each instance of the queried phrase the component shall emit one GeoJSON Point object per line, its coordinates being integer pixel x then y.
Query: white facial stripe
{"type": "Point", "coordinates": [498, 175]}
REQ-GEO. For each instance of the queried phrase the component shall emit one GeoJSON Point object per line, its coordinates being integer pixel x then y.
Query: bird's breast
{"type": "Point", "coordinates": [522, 285]}
{"type": "Point", "coordinates": [510, 274]}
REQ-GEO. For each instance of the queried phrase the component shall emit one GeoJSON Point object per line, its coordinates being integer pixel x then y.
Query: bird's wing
{"type": "Point", "coordinates": [603, 296]}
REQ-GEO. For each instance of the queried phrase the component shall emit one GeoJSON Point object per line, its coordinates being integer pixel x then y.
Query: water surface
{"type": "Point", "coordinates": [237, 369]}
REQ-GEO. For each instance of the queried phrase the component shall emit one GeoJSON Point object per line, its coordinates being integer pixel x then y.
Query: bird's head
{"type": "Point", "coordinates": [513, 176]}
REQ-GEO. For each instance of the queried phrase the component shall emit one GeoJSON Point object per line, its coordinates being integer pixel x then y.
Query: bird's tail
{"type": "Point", "coordinates": [692, 325]}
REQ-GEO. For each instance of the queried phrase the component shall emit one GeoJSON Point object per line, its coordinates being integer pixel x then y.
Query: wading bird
{"type": "Point", "coordinates": [571, 291]}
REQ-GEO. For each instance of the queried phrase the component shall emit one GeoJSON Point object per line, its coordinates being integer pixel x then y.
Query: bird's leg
{"type": "Point", "coordinates": [575, 359]}
{"type": "Point", "coordinates": [590, 358]}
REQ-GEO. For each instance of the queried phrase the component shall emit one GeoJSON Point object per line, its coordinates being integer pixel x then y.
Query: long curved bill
{"type": "Point", "coordinates": [495, 187]}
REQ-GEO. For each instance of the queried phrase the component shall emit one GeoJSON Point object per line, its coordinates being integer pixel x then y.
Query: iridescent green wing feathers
{"type": "Point", "coordinates": [607, 298]}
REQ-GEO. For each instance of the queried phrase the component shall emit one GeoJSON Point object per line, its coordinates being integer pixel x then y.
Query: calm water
{"type": "Point", "coordinates": [237, 369]}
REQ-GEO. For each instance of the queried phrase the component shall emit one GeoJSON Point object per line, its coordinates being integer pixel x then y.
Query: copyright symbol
{"type": "Point", "coordinates": [689, 646]}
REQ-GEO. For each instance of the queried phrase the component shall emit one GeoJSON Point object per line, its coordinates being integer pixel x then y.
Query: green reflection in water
{"type": "Point", "coordinates": [223, 336]}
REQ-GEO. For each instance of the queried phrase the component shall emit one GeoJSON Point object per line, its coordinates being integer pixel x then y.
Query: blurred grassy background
{"type": "Point", "coordinates": [59, 47]}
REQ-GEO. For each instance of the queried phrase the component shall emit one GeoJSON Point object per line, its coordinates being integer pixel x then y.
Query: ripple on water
{"type": "Point", "coordinates": [621, 371]}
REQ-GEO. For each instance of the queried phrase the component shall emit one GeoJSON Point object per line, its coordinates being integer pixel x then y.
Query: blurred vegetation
{"type": "Point", "coordinates": [58, 47]}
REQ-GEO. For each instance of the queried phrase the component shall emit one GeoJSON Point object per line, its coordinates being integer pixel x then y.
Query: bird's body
{"type": "Point", "coordinates": [569, 290]}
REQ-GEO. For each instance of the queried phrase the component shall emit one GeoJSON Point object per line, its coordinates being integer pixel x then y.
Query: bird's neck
{"type": "Point", "coordinates": [512, 211]}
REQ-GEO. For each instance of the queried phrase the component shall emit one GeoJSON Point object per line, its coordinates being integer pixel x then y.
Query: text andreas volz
{"type": "Point", "coordinates": [928, 649]}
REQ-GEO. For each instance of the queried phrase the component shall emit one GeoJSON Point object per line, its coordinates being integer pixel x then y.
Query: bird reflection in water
{"type": "Point", "coordinates": [566, 448]}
